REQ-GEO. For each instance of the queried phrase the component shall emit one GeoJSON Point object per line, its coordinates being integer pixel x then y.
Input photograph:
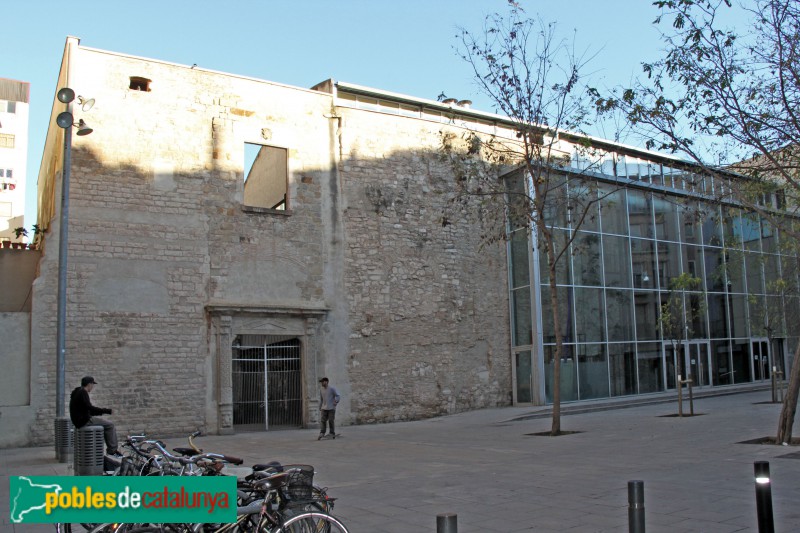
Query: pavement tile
{"type": "Point", "coordinates": [483, 466]}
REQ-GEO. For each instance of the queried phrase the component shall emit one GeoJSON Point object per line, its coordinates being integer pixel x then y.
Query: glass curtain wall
{"type": "Point", "coordinates": [646, 228]}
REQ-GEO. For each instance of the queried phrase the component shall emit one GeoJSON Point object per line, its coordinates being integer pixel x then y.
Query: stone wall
{"type": "Point", "coordinates": [407, 317]}
{"type": "Point", "coordinates": [428, 306]}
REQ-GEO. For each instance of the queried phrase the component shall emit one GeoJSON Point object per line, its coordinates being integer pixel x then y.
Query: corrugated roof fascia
{"type": "Point", "coordinates": [15, 91]}
{"type": "Point", "coordinates": [504, 120]}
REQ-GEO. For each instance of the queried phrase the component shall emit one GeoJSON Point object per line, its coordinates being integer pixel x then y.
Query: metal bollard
{"type": "Point", "coordinates": [64, 439]}
{"type": "Point", "coordinates": [636, 506]}
{"type": "Point", "coordinates": [89, 457]}
{"type": "Point", "coordinates": [766, 523]}
{"type": "Point", "coordinates": [447, 523]}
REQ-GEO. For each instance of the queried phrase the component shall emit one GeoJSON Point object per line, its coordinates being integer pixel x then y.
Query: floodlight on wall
{"type": "Point", "coordinates": [65, 120]}
{"type": "Point", "coordinates": [65, 95]}
{"type": "Point", "coordinates": [83, 128]}
{"type": "Point", "coordinates": [85, 104]}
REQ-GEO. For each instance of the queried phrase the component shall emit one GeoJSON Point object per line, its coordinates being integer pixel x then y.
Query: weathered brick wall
{"type": "Point", "coordinates": [411, 316]}
{"type": "Point", "coordinates": [428, 307]}
{"type": "Point", "coordinates": [157, 233]}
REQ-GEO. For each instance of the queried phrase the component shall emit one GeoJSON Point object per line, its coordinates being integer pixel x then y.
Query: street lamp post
{"type": "Point", "coordinates": [65, 120]}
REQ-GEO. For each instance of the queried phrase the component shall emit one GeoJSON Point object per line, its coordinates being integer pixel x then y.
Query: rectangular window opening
{"type": "Point", "coordinates": [265, 177]}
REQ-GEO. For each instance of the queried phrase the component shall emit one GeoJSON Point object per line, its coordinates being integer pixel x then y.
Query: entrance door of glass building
{"type": "Point", "coordinates": [761, 359]}
{"type": "Point", "coordinates": [699, 362]}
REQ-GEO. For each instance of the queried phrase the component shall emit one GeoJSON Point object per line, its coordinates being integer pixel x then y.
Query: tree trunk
{"type": "Point", "coordinates": [555, 430]}
{"type": "Point", "coordinates": [786, 420]}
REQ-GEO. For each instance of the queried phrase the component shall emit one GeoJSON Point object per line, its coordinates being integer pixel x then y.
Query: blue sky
{"type": "Point", "coordinates": [401, 46]}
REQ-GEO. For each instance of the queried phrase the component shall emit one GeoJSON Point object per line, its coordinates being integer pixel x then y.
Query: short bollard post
{"type": "Point", "coordinates": [774, 384]}
{"type": "Point", "coordinates": [447, 523]}
{"type": "Point", "coordinates": [636, 506]}
{"type": "Point", "coordinates": [766, 523]}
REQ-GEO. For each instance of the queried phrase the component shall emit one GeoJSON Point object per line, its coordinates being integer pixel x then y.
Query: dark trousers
{"type": "Point", "coordinates": [327, 416]}
{"type": "Point", "coordinates": [109, 432]}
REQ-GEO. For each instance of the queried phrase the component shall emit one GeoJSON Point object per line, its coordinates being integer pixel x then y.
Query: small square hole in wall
{"type": "Point", "coordinates": [139, 84]}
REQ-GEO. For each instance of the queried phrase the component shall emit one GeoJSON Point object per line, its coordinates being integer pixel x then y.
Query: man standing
{"type": "Point", "coordinates": [82, 413]}
{"type": "Point", "coordinates": [328, 399]}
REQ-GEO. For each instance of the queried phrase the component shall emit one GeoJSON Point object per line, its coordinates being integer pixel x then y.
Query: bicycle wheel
{"type": "Point", "coordinates": [312, 522]}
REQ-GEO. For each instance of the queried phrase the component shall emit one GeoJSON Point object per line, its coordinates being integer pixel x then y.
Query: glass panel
{"type": "Point", "coordinates": [666, 218]}
{"type": "Point", "coordinates": [519, 211]}
{"type": "Point", "coordinates": [751, 232]}
{"type": "Point", "coordinates": [775, 317]}
{"type": "Point", "coordinates": [731, 222]}
{"type": "Point", "coordinates": [769, 237]}
{"type": "Point", "coordinates": [655, 174]}
{"type": "Point", "coordinates": [696, 306]}
{"type": "Point", "coordinates": [690, 220]}
{"type": "Point", "coordinates": [673, 357]}
{"type": "Point", "coordinates": [738, 314]}
{"type": "Point", "coordinates": [640, 213]}
{"type": "Point", "coordinates": [771, 273]}
{"type": "Point", "coordinates": [613, 211]}
{"type": "Point", "coordinates": [632, 165]}
{"type": "Point", "coordinates": [672, 317]}
{"type": "Point", "coordinates": [620, 315]}
{"type": "Point", "coordinates": [698, 363]}
{"type": "Point", "coordinates": [712, 228]}
{"type": "Point", "coordinates": [740, 355]}
{"type": "Point", "coordinates": [753, 263]}
{"type": "Point", "coordinates": [669, 262]}
{"type": "Point", "coordinates": [734, 268]}
{"type": "Point", "coordinates": [563, 263]}
{"type": "Point", "coordinates": [717, 316]}
{"type": "Point", "coordinates": [565, 314]}
{"type": "Point", "coordinates": [721, 363]}
{"type": "Point", "coordinates": [524, 373]}
{"type": "Point", "coordinates": [586, 259]}
{"type": "Point", "coordinates": [555, 211]}
{"type": "Point", "coordinates": [643, 261]}
{"type": "Point", "coordinates": [792, 315]}
{"type": "Point", "coordinates": [589, 315]}
{"type": "Point", "coordinates": [714, 269]}
{"type": "Point", "coordinates": [646, 307]}
{"type": "Point", "coordinates": [758, 318]}
{"type": "Point", "coordinates": [521, 303]}
{"type": "Point", "coordinates": [651, 368]}
{"type": "Point", "coordinates": [583, 195]}
{"type": "Point", "coordinates": [569, 373]}
{"type": "Point", "coordinates": [520, 245]}
{"type": "Point", "coordinates": [622, 368]}
{"type": "Point", "coordinates": [693, 262]}
{"type": "Point", "coordinates": [593, 368]}
{"type": "Point", "coordinates": [617, 261]}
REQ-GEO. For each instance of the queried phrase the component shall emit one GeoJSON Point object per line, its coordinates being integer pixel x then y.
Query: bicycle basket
{"type": "Point", "coordinates": [300, 481]}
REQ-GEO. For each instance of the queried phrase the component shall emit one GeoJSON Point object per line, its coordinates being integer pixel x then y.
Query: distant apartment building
{"type": "Point", "coordinates": [14, 96]}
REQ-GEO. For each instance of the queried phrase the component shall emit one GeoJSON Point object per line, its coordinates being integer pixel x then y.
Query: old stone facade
{"type": "Point", "coordinates": [168, 267]}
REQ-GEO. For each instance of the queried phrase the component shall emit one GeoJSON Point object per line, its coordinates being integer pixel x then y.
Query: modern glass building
{"type": "Point", "coordinates": [652, 220]}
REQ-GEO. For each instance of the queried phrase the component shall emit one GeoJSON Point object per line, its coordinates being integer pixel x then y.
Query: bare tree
{"type": "Point", "coordinates": [534, 79]}
{"type": "Point", "coordinates": [681, 310]}
{"type": "Point", "coordinates": [729, 99]}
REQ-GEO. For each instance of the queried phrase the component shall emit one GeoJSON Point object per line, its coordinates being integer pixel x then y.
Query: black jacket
{"type": "Point", "coordinates": [81, 408]}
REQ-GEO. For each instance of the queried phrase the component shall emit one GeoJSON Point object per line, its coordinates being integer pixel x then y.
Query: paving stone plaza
{"type": "Point", "coordinates": [487, 468]}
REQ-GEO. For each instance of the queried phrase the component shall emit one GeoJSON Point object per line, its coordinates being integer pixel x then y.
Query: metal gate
{"type": "Point", "coordinates": [267, 391]}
